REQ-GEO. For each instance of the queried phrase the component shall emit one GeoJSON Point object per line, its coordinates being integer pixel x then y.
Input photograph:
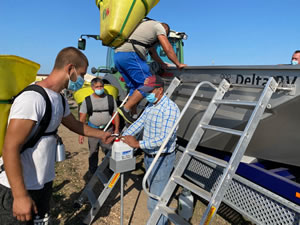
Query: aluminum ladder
{"type": "Point", "coordinates": [106, 177]}
{"type": "Point", "coordinates": [229, 168]}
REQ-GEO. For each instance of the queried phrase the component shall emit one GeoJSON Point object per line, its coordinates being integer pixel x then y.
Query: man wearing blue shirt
{"type": "Point", "coordinates": [157, 120]}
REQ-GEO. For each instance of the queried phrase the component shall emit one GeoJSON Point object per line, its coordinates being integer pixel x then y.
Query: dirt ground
{"type": "Point", "coordinates": [71, 178]}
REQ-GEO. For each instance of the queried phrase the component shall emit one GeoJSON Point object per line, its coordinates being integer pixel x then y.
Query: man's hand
{"type": "Point", "coordinates": [23, 208]}
{"type": "Point", "coordinates": [181, 66]}
{"type": "Point", "coordinates": [106, 137]}
{"type": "Point", "coordinates": [131, 141]}
{"type": "Point", "coordinates": [80, 139]}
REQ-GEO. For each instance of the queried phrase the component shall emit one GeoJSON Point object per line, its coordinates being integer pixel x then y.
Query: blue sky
{"type": "Point", "coordinates": [223, 32]}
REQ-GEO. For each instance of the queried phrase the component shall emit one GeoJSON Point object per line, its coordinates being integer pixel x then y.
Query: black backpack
{"type": "Point", "coordinates": [89, 105]}
{"type": "Point", "coordinates": [44, 121]}
{"type": "Point", "coordinates": [41, 130]}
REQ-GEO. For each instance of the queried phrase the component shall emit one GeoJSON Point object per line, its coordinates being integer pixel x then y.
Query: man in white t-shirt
{"type": "Point", "coordinates": [26, 182]}
{"type": "Point", "coordinates": [130, 59]}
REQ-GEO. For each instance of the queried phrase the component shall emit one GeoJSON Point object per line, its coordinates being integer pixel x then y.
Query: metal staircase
{"type": "Point", "coordinates": [177, 178]}
{"type": "Point", "coordinates": [106, 177]}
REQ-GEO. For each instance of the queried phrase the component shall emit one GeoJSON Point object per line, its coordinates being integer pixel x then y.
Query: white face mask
{"type": "Point", "coordinates": [294, 62]}
{"type": "Point", "coordinates": [151, 98]}
{"type": "Point", "coordinates": [74, 86]}
{"type": "Point", "coordinates": [99, 91]}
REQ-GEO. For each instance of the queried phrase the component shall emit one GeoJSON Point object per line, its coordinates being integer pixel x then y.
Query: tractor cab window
{"type": "Point", "coordinates": [176, 46]}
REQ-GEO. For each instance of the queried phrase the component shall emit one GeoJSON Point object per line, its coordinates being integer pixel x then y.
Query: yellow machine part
{"type": "Point", "coordinates": [82, 93]}
{"type": "Point", "coordinates": [119, 18]}
{"type": "Point", "coordinates": [15, 74]}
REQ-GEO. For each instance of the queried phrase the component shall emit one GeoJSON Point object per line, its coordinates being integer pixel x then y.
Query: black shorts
{"type": "Point", "coordinates": [40, 197]}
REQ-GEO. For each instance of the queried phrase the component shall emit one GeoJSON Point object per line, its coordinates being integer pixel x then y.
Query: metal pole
{"type": "Point", "coordinates": [169, 136]}
{"type": "Point", "coordinates": [122, 185]}
{"type": "Point", "coordinates": [112, 118]}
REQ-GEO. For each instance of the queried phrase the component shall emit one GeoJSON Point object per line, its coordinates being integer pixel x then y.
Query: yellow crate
{"type": "Point", "coordinates": [119, 18]}
{"type": "Point", "coordinates": [15, 74]}
{"type": "Point", "coordinates": [82, 93]}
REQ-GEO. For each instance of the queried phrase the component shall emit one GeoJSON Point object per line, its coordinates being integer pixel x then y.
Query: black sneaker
{"type": "Point", "coordinates": [125, 115]}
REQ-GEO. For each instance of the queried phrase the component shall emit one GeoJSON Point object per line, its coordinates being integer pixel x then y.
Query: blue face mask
{"type": "Point", "coordinates": [151, 98]}
{"type": "Point", "coordinates": [295, 62]}
{"type": "Point", "coordinates": [74, 86]}
{"type": "Point", "coordinates": [99, 91]}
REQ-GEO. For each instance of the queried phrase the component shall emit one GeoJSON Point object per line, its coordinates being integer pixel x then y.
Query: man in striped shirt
{"type": "Point", "coordinates": [157, 120]}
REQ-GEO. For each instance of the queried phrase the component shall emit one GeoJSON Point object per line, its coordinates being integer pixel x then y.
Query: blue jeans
{"type": "Point", "coordinates": [133, 69]}
{"type": "Point", "coordinates": [158, 179]}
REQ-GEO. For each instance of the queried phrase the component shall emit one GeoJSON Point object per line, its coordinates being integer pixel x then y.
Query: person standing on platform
{"type": "Point", "coordinates": [130, 60]}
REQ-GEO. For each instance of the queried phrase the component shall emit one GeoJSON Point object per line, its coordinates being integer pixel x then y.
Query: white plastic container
{"type": "Point", "coordinates": [121, 150]}
{"type": "Point", "coordinates": [186, 204]}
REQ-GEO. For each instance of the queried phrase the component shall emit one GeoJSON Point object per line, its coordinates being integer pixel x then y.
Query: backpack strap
{"type": "Point", "coordinates": [111, 104]}
{"type": "Point", "coordinates": [63, 103]}
{"type": "Point", "coordinates": [45, 119]}
{"type": "Point", "coordinates": [136, 42]}
{"type": "Point", "coordinates": [55, 131]}
{"type": "Point", "coordinates": [89, 105]}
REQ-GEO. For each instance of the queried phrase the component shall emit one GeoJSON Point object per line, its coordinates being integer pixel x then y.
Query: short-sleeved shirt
{"type": "Point", "coordinates": [98, 118]}
{"type": "Point", "coordinates": [38, 163]}
{"type": "Point", "coordinates": [146, 32]}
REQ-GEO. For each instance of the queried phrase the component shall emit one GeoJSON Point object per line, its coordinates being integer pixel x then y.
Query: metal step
{"type": "Point", "coordinates": [102, 177]}
{"type": "Point", "coordinates": [171, 215]}
{"type": "Point", "coordinates": [208, 158]}
{"type": "Point", "coordinates": [236, 102]}
{"type": "Point", "coordinates": [177, 178]}
{"type": "Point", "coordinates": [192, 187]}
{"type": "Point", "coordinates": [91, 196]}
{"type": "Point", "coordinates": [222, 129]}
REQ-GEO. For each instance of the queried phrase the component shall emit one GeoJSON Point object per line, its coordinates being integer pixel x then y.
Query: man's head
{"type": "Point", "coordinates": [167, 28]}
{"type": "Point", "coordinates": [153, 88]}
{"type": "Point", "coordinates": [296, 58]}
{"type": "Point", "coordinates": [74, 64]}
{"type": "Point", "coordinates": [98, 86]}
{"type": "Point", "coordinates": [70, 55]}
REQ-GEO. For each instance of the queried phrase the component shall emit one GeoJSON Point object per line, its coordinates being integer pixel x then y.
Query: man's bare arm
{"type": "Point", "coordinates": [82, 118]}
{"type": "Point", "coordinates": [167, 47]}
{"type": "Point", "coordinates": [17, 132]}
{"type": "Point", "coordinates": [85, 130]}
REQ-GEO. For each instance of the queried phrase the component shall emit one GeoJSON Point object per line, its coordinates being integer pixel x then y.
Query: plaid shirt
{"type": "Point", "coordinates": [157, 121]}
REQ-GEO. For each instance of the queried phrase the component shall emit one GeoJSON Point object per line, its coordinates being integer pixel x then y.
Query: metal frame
{"type": "Point", "coordinates": [223, 181]}
{"type": "Point", "coordinates": [254, 202]}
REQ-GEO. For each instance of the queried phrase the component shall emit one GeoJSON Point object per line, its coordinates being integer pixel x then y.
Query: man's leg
{"type": "Point", "coordinates": [135, 71]}
{"type": "Point", "coordinates": [93, 156]}
{"type": "Point", "coordinates": [158, 179]}
{"type": "Point", "coordinates": [133, 99]}
{"type": "Point", "coordinates": [42, 200]}
{"type": "Point", "coordinates": [40, 197]}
